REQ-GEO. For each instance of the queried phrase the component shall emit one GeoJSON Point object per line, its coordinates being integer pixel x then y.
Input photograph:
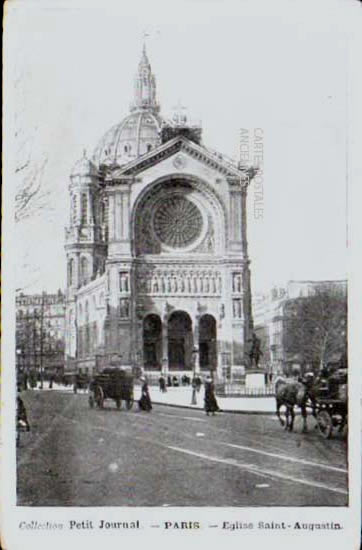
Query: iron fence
{"type": "Point", "coordinates": [235, 389]}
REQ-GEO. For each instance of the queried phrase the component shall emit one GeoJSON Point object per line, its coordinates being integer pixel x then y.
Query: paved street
{"type": "Point", "coordinates": [75, 456]}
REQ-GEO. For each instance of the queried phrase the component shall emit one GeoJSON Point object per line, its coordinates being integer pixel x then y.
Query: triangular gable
{"type": "Point", "coordinates": [179, 143]}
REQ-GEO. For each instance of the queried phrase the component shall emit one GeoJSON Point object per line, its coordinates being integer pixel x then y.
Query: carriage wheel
{"type": "Point", "coordinates": [325, 424]}
{"type": "Point", "coordinates": [118, 403]}
{"type": "Point", "coordinates": [99, 397]}
{"type": "Point", "coordinates": [129, 403]}
{"type": "Point", "coordinates": [91, 401]}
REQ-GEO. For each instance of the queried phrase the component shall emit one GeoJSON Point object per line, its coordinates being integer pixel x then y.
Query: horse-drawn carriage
{"type": "Point", "coordinates": [80, 382]}
{"type": "Point", "coordinates": [330, 403]}
{"type": "Point", "coordinates": [112, 383]}
{"type": "Point", "coordinates": [326, 395]}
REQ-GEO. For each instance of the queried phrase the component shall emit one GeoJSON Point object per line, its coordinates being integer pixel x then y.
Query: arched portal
{"type": "Point", "coordinates": [207, 343]}
{"type": "Point", "coordinates": [180, 341]}
{"type": "Point", "coordinates": [152, 341]}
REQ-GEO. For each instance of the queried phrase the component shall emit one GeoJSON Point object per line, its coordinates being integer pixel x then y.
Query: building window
{"type": "Point", "coordinates": [84, 208]}
{"type": "Point", "coordinates": [84, 271]}
{"type": "Point", "coordinates": [74, 210]}
{"type": "Point", "coordinates": [80, 314]}
{"type": "Point", "coordinates": [70, 271]}
{"type": "Point", "coordinates": [102, 212]}
{"type": "Point", "coordinates": [149, 147]}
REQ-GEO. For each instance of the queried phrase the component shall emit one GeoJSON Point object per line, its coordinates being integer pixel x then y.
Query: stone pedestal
{"type": "Point", "coordinates": [255, 378]}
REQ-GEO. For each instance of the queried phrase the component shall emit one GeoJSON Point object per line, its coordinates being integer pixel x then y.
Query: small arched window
{"type": "Point", "coordinates": [80, 311]}
{"type": "Point", "coordinates": [149, 147]}
{"type": "Point", "coordinates": [84, 271]}
{"type": "Point", "coordinates": [70, 271]}
{"type": "Point", "coordinates": [102, 212]}
{"type": "Point", "coordinates": [84, 208]}
{"type": "Point", "coordinates": [73, 210]}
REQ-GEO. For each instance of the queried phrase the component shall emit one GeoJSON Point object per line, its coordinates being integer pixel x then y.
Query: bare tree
{"type": "Point", "coordinates": [31, 194]}
{"type": "Point", "coordinates": [316, 326]}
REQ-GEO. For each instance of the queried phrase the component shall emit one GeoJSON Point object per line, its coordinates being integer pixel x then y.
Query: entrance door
{"type": "Point", "coordinates": [207, 343]}
{"type": "Point", "coordinates": [179, 341]}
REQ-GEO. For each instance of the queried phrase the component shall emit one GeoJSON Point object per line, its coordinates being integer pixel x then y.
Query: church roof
{"type": "Point", "coordinates": [136, 134]}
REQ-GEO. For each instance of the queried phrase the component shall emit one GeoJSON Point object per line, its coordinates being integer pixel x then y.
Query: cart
{"type": "Point", "coordinates": [111, 383]}
{"type": "Point", "coordinates": [331, 406]}
{"type": "Point", "coordinates": [81, 382]}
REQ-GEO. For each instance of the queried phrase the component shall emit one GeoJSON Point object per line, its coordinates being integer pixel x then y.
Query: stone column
{"type": "Point", "coordinates": [165, 364]}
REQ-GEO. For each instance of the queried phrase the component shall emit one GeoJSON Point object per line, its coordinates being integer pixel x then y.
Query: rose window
{"type": "Point", "coordinates": [177, 222]}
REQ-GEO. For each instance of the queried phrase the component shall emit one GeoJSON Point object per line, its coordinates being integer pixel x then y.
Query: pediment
{"type": "Point", "coordinates": [183, 145]}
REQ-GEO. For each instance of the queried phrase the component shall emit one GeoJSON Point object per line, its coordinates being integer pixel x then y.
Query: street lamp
{"type": "Point", "coordinates": [194, 352]}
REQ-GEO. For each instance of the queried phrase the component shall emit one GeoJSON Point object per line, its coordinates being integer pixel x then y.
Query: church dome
{"type": "Point", "coordinates": [140, 131]}
{"type": "Point", "coordinates": [137, 134]}
{"type": "Point", "coordinates": [84, 167]}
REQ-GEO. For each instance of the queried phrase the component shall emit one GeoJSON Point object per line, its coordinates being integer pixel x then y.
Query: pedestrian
{"type": "Point", "coordinates": [25, 380]}
{"type": "Point", "coordinates": [211, 405]}
{"type": "Point", "coordinates": [162, 383]}
{"type": "Point", "coordinates": [144, 403]}
{"type": "Point", "coordinates": [21, 416]}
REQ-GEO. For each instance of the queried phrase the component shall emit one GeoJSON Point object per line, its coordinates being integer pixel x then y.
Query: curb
{"type": "Point", "coordinates": [231, 411]}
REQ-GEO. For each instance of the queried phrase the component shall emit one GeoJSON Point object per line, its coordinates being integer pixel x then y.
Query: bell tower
{"type": "Point", "coordinates": [85, 245]}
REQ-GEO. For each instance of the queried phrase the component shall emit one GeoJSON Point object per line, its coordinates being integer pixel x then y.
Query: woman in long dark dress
{"type": "Point", "coordinates": [211, 405]}
{"type": "Point", "coordinates": [144, 403]}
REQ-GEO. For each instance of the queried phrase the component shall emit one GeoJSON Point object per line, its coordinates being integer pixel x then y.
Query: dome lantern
{"type": "Point", "coordinates": [145, 86]}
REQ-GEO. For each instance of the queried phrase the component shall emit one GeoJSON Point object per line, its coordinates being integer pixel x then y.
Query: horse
{"type": "Point", "coordinates": [291, 392]}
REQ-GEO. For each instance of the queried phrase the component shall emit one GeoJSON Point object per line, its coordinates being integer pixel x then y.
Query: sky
{"type": "Point", "coordinates": [278, 71]}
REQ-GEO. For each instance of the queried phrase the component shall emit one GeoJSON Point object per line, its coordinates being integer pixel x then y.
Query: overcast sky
{"type": "Point", "coordinates": [278, 67]}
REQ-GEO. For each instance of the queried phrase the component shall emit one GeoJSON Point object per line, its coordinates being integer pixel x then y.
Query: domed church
{"type": "Point", "coordinates": [157, 267]}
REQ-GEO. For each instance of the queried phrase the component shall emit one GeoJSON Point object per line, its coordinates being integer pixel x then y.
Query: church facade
{"type": "Point", "coordinates": [157, 264]}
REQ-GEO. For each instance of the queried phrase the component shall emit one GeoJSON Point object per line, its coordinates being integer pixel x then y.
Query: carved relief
{"type": "Point", "coordinates": [124, 281]}
{"type": "Point", "coordinates": [178, 281]}
{"type": "Point", "coordinates": [237, 282]}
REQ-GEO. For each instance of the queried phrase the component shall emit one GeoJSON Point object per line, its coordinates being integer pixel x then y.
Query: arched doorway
{"type": "Point", "coordinates": [207, 343]}
{"type": "Point", "coordinates": [180, 341]}
{"type": "Point", "coordinates": [152, 341]}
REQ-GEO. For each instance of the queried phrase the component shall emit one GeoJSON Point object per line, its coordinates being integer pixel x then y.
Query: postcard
{"type": "Point", "coordinates": [181, 281]}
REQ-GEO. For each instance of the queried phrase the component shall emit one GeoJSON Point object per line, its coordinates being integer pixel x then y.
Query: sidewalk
{"type": "Point", "coordinates": [181, 397]}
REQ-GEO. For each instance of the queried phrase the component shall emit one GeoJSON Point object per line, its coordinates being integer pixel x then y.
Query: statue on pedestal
{"type": "Point", "coordinates": [255, 352]}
